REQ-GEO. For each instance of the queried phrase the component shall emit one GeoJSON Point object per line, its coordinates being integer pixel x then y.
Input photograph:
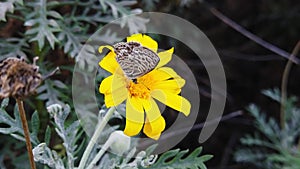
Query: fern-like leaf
{"type": "Point", "coordinates": [15, 125]}
{"type": "Point", "coordinates": [8, 6]}
{"type": "Point", "coordinates": [12, 47]}
{"type": "Point", "coordinates": [41, 26]}
{"type": "Point", "coordinates": [71, 42]}
{"type": "Point", "coordinates": [68, 134]}
{"type": "Point", "coordinates": [50, 91]}
{"type": "Point", "coordinates": [173, 159]}
{"type": "Point", "coordinates": [44, 155]}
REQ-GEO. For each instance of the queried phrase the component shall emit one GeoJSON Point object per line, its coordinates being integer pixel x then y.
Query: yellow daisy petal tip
{"type": "Point", "coordinates": [187, 107]}
{"type": "Point", "coordinates": [144, 40]}
{"type": "Point", "coordinates": [155, 136]}
{"type": "Point", "coordinates": [108, 105]}
{"type": "Point", "coordinates": [128, 133]}
{"type": "Point", "coordinates": [165, 57]}
{"type": "Point", "coordinates": [100, 49]}
{"type": "Point", "coordinates": [135, 37]}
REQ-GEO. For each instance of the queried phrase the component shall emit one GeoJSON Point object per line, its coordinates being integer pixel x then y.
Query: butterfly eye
{"type": "Point", "coordinates": [36, 69]}
{"type": "Point", "coordinates": [22, 58]}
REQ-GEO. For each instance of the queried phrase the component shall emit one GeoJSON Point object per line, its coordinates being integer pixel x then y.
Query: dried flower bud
{"type": "Point", "coordinates": [18, 79]}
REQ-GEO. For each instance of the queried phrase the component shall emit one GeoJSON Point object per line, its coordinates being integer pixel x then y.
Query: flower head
{"type": "Point", "coordinates": [161, 83]}
{"type": "Point", "coordinates": [18, 79]}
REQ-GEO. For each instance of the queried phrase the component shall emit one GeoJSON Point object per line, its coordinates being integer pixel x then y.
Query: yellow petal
{"type": "Point", "coordinates": [116, 98]}
{"type": "Point", "coordinates": [155, 123]}
{"type": "Point", "coordinates": [135, 38]}
{"type": "Point", "coordinates": [151, 129]}
{"type": "Point", "coordinates": [114, 90]}
{"type": "Point", "coordinates": [100, 49]}
{"type": "Point", "coordinates": [112, 83]}
{"type": "Point", "coordinates": [163, 78]}
{"type": "Point", "coordinates": [165, 57]}
{"type": "Point", "coordinates": [151, 109]}
{"type": "Point", "coordinates": [134, 117]}
{"type": "Point", "coordinates": [110, 64]}
{"type": "Point", "coordinates": [158, 75]}
{"type": "Point", "coordinates": [173, 86]}
{"type": "Point", "coordinates": [172, 100]}
{"type": "Point", "coordinates": [169, 71]}
{"type": "Point", "coordinates": [144, 40]}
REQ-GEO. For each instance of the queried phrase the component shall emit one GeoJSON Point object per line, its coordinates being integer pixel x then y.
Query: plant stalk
{"type": "Point", "coordinates": [99, 154]}
{"type": "Point", "coordinates": [284, 82]}
{"type": "Point", "coordinates": [26, 132]}
{"type": "Point", "coordinates": [95, 137]}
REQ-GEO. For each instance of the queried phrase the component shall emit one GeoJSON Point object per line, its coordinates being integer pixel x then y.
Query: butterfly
{"type": "Point", "coordinates": [135, 60]}
{"type": "Point", "coordinates": [18, 78]}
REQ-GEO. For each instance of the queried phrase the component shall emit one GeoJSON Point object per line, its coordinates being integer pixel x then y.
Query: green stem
{"type": "Point", "coordinates": [26, 132]}
{"type": "Point", "coordinates": [95, 137]}
{"type": "Point", "coordinates": [100, 154]}
{"type": "Point", "coordinates": [284, 82]}
{"type": "Point", "coordinates": [73, 3]}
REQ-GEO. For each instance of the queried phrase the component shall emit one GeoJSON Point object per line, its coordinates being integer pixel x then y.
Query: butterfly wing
{"type": "Point", "coordinates": [136, 60]}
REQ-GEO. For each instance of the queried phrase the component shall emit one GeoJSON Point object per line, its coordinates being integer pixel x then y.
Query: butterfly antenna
{"type": "Point", "coordinates": [51, 73]}
{"type": "Point", "coordinates": [35, 59]}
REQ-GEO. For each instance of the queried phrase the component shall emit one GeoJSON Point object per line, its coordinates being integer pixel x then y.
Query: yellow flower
{"type": "Point", "coordinates": [162, 84]}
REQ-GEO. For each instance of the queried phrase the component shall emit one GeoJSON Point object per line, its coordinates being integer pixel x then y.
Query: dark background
{"type": "Point", "coordinates": [249, 67]}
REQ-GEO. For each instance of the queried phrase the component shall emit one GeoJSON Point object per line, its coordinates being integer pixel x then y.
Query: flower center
{"type": "Point", "coordinates": [138, 90]}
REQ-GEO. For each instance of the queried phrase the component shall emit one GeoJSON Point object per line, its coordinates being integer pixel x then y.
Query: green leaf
{"type": "Point", "coordinates": [41, 27]}
{"type": "Point", "coordinates": [273, 94]}
{"type": "Point", "coordinates": [151, 149]}
{"type": "Point", "coordinates": [135, 24]}
{"type": "Point", "coordinates": [173, 159]}
{"type": "Point", "coordinates": [273, 147]}
{"type": "Point", "coordinates": [4, 8]}
{"type": "Point", "coordinates": [51, 91]}
{"type": "Point", "coordinates": [35, 123]}
{"type": "Point", "coordinates": [48, 135]}
{"type": "Point", "coordinates": [13, 47]}
{"type": "Point", "coordinates": [4, 103]}
{"type": "Point", "coordinates": [14, 124]}
{"type": "Point", "coordinates": [44, 155]}
{"type": "Point", "coordinates": [67, 134]}
{"type": "Point", "coordinates": [69, 36]}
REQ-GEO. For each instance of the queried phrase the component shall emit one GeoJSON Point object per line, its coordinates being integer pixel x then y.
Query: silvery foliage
{"type": "Point", "coordinates": [44, 154]}
{"type": "Point", "coordinates": [71, 133]}
{"type": "Point", "coordinates": [15, 125]}
{"type": "Point", "coordinates": [271, 146]}
{"type": "Point", "coordinates": [47, 25]}
{"type": "Point", "coordinates": [47, 28]}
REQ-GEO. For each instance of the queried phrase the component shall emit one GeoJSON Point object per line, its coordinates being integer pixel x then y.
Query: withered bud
{"type": "Point", "coordinates": [18, 79]}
